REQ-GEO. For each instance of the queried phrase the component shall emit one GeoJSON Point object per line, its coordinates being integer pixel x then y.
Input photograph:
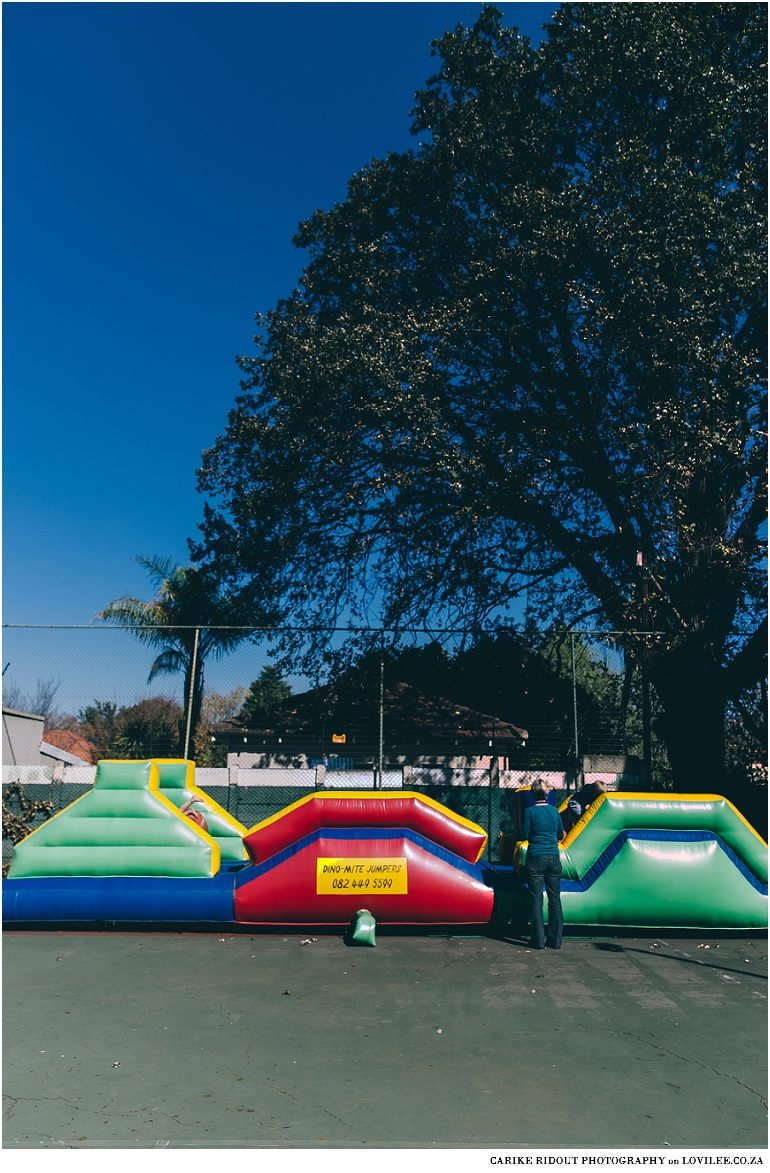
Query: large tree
{"type": "Point", "coordinates": [529, 354]}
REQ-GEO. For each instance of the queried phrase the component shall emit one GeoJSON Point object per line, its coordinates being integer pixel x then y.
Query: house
{"type": "Point", "coordinates": [62, 745]}
{"type": "Point", "coordinates": [22, 737]}
{"type": "Point", "coordinates": [32, 755]}
{"type": "Point", "coordinates": [338, 726]}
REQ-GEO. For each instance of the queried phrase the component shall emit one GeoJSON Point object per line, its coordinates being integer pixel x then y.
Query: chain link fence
{"type": "Point", "coordinates": [28, 804]}
{"type": "Point", "coordinates": [284, 713]}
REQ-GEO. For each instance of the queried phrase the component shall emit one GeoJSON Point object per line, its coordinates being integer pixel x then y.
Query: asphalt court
{"type": "Point", "coordinates": [141, 1040]}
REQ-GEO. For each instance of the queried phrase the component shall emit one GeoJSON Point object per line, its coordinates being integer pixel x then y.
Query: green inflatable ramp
{"type": "Point", "coordinates": [662, 861]}
{"type": "Point", "coordinates": [124, 826]}
{"type": "Point", "coordinates": [177, 784]}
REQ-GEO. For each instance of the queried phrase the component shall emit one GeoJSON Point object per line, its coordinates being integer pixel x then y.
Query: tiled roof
{"type": "Point", "coordinates": [71, 743]}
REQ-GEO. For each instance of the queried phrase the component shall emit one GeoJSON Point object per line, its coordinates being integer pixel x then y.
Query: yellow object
{"type": "Point", "coordinates": [339, 876]}
{"type": "Point", "coordinates": [699, 804]}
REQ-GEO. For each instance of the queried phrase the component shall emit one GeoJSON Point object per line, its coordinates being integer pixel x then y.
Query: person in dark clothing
{"type": "Point", "coordinates": [543, 831]}
{"type": "Point", "coordinates": [580, 802]}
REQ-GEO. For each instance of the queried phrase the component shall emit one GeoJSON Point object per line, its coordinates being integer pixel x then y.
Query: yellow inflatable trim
{"type": "Point", "coordinates": [154, 788]}
{"type": "Point", "coordinates": [648, 796]}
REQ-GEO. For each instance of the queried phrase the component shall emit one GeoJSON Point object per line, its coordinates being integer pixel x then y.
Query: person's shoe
{"type": "Point", "coordinates": [550, 945]}
{"type": "Point", "coordinates": [532, 945]}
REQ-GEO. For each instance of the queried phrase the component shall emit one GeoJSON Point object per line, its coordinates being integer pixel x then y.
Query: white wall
{"type": "Point", "coordinates": [22, 735]}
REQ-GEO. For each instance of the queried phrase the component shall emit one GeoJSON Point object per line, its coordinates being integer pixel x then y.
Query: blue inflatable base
{"type": "Point", "coordinates": [147, 899]}
{"type": "Point", "coordinates": [120, 898]}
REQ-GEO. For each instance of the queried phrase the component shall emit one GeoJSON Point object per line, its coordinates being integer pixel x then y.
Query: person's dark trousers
{"type": "Point", "coordinates": [546, 868]}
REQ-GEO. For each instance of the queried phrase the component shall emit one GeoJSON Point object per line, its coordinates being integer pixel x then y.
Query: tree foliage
{"type": "Point", "coordinates": [527, 681]}
{"type": "Point", "coordinates": [147, 729]}
{"type": "Point", "coordinates": [40, 702]}
{"type": "Point", "coordinates": [509, 677]}
{"type": "Point", "coordinates": [188, 598]}
{"type": "Point", "coordinates": [21, 815]}
{"type": "Point", "coordinates": [269, 689]}
{"type": "Point", "coordinates": [528, 352]}
{"type": "Point", "coordinates": [216, 707]}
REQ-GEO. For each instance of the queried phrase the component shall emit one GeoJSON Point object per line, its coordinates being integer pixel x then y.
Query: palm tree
{"type": "Point", "coordinates": [189, 600]}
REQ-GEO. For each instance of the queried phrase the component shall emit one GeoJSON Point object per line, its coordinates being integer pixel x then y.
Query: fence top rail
{"type": "Point", "coordinates": [596, 634]}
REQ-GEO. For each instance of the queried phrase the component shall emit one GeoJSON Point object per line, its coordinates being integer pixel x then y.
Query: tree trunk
{"type": "Point", "coordinates": [197, 701]}
{"type": "Point", "coordinates": [689, 688]}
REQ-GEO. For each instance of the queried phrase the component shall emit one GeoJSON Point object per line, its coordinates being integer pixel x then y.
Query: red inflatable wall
{"type": "Point", "coordinates": [365, 809]}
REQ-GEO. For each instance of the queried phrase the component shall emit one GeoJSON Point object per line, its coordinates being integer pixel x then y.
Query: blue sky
{"type": "Point", "coordinates": [157, 161]}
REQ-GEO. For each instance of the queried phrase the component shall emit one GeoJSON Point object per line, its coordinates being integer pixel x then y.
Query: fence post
{"type": "Point", "coordinates": [192, 693]}
{"type": "Point", "coordinates": [232, 778]}
{"type": "Point", "coordinates": [575, 716]}
{"type": "Point", "coordinates": [644, 666]}
{"type": "Point", "coordinates": [494, 780]}
{"type": "Point", "coordinates": [378, 780]}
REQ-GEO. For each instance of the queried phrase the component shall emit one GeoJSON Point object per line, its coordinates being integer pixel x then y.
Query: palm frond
{"type": "Point", "coordinates": [159, 569]}
{"type": "Point", "coordinates": [186, 598]}
{"type": "Point", "coordinates": [127, 611]}
{"type": "Point", "coordinates": [170, 660]}
{"type": "Point", "coordinates": [124, 610]}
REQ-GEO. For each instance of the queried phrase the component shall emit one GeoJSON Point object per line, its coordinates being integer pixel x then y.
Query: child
{"type": "Point", "coordinates": [196, 816]}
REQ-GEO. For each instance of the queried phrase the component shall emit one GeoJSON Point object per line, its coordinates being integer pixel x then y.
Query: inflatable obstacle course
{"type": "Point", "coordinates": [123, 853]}
{"type": "Point", "coordinates": [662, 861]}
{"type": "Point", "coordinates": [124, 826]}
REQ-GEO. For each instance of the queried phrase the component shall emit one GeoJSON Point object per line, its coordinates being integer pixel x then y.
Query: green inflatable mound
{"type": "Point", "coordinates": [177, 784]}
{"type": "Point", "coordinates": [663, 861]}
{"type": "Point", "coordinates": [124, 826]}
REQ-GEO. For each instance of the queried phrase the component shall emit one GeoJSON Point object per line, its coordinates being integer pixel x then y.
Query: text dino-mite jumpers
{"type": "Point", "coordinates": [340, 876]}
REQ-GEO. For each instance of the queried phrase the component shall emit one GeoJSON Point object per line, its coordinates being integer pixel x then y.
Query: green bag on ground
{"type": "Point", "coordinates": [363, 929]}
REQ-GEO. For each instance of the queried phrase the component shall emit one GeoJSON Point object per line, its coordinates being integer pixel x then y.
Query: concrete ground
{"type": "Point", "coordinates": [154, 1040]}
